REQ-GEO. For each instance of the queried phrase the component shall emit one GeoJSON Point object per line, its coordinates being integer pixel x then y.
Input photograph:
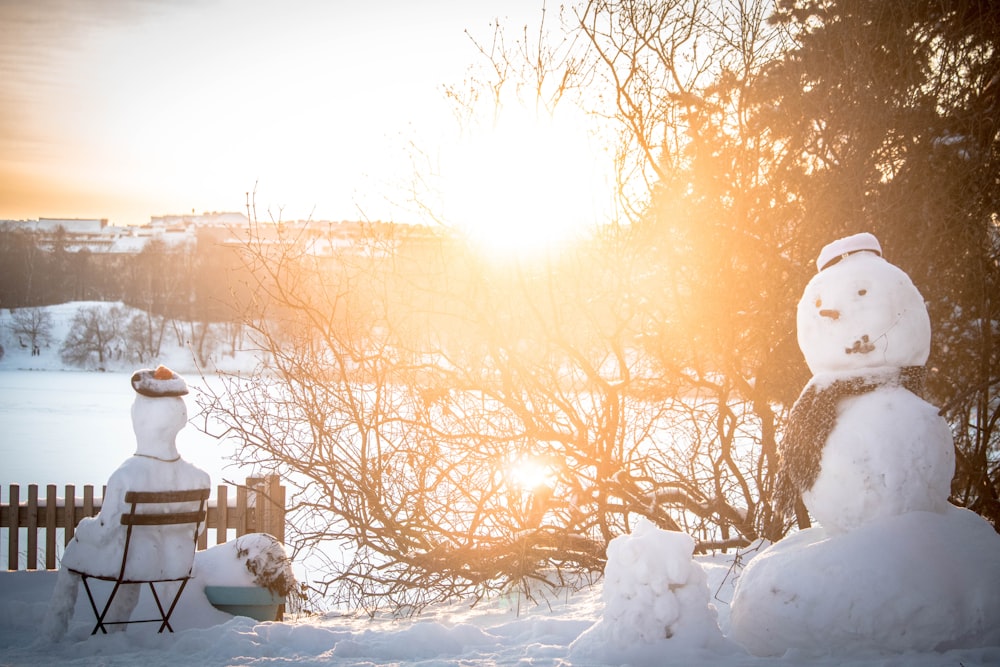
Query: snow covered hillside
{"type": "Point", "coordinates": [173, 338]}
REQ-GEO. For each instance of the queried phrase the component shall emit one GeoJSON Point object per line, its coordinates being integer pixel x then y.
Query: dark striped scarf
{"type": "Point", "coordinates": [812, 419]}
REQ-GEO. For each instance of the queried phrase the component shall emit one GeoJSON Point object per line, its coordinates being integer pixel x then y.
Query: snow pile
{"type": "Point", "coordinates": [920, 581]}
{"type": "Point", "coordinates": [498, 632]}
{"type": "Point", "coordinates": [656, 602]}
{"type": "Point", "coordinates": [256, 559]}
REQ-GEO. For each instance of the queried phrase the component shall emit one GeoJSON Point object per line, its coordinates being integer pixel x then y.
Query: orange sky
{"type": "Point", "coordinates": [125, 109]}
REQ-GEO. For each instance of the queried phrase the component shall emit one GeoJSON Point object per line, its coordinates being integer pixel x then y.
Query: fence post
{"type": "Point", "coordinates": [269, 505]}
{"type": "Point", "coordinates": [274, 517]}
{"type": "Point", "coordinates": [88, 500]}
{"type": "Point", "coordinates": [242, 505]}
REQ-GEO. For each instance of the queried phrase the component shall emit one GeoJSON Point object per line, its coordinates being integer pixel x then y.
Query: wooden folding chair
{"type": "Point", "coordinates": [150, 520]}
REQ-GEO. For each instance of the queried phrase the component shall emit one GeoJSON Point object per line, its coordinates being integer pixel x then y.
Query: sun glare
{"type": "Point", "coordinates": [526, 183]}
{"type": "Point", "coordinates": [529, 473]}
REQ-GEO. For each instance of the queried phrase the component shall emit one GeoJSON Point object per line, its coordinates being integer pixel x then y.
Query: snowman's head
{"type": "Point", "coordinates": [158, 412]}
{"type": "Point", "coordinates": [156, 422]}
{"type": "Point", "coordinates": [861, 312]}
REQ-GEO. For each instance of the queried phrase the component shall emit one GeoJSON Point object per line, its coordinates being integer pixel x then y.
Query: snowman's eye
{"type": "Point", "coordinates": [862, 292]}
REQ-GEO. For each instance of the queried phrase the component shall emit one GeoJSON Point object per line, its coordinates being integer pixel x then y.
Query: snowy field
{"type": "Point", "coordinates": [73, 427]}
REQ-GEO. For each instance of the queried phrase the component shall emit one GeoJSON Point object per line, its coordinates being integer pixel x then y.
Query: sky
{"type": "Point", "coordinates": [125, 109]}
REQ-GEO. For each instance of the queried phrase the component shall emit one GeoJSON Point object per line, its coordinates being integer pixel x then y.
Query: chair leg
{"type": "Point", "coordinates": [104, 613]}
{"type": "Point", "coordinates": [93, 605]}
{"type": "Point", "coordinates": [165, 615]}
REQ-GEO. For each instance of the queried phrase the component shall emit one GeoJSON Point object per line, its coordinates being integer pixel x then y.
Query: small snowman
{"type": "Point", "coordinates": [861, 443]}
{"type": "Point", "coordinates": [158, 415]}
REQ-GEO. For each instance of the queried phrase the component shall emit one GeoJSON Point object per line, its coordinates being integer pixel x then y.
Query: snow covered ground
{"type": "Point", "coordinates": [503, 632]}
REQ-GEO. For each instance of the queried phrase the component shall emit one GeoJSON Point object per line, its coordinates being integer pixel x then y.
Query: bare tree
{"type": "Point", "coordinates": [143, 335]}
{"type": "Point", "coordinates": [456, 427]}
{"type": "Point", "coordinates": [35, 324]}
{"type": "Point", "coordinates": [92, 333]}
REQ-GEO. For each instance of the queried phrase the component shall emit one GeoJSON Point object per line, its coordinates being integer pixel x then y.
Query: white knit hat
{"type": "Point", "coordinates": [158, 383]}
{"type": "Point", "coordinates": [841, 248]}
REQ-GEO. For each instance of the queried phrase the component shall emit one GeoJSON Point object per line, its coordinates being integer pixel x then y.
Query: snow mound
{"type": "Point", "coordinates": [656, 602]}
{"type": "Point", "coordinates": [255, 559]}
{"type": "Point", "coordinates": [920, 581]}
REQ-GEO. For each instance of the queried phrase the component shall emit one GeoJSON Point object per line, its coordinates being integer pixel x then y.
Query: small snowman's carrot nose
{"type": "Point", "coordinates": [832, 314]}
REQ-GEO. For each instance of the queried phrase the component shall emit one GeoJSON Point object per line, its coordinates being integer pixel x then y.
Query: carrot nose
{"type": "Point", "coordinates": [832, 314]}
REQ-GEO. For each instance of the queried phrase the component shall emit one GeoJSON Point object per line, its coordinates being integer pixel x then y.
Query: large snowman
{"type": "Point", "coordinates": [861, 443]}
{"type": "Point", "coordinates": [158, 415]}
{"type": "Point", "coordinates": [892, 565]}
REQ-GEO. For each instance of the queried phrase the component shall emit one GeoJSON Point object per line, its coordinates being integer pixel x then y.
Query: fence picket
{"type": "Point", "coordinates": [88, 501]}
{"type": "Point", "coordinates": [32, 524]}
{"type": "Point", "coordinates": [50, 526]}
{"type": "Point", "coordinates": [69, 515]}
{"type": "Point", "coordinates": [222, 510]}
{"type": "Point", "coordinates": [14, 526]}
{"type": "Point", "coordinates": [241, 509]}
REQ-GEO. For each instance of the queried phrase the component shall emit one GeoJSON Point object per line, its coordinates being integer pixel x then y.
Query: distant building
{"type": "Point", "coordinates": [70, 225]}
{"type": "Point", "coordinates": [322, 238]}
{"type": "Point", "coordinates": [96, 236]}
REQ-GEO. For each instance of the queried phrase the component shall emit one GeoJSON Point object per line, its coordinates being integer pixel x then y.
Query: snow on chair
{"type": "Point", "coordinates": [139, 522]}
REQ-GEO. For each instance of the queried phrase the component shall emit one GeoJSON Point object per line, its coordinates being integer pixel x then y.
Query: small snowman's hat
{"type": "Point", "coordinates": [159, 383]}
{"type": "Point", "coordinates": [837, 250]}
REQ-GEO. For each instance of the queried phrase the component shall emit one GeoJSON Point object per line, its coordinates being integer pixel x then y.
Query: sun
{"type": "Point", "coordinates": [529, 473]}
{"type": "Point", "coordinates": [527, 182]}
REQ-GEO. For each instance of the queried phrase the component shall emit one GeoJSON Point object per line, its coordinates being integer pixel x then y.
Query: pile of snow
{"type": "Point", "coordinates": [656, 603]}
{"type": "Point", "coordinates": [917, 582]}
{"type": "Point", "coordinates": [256, 559]}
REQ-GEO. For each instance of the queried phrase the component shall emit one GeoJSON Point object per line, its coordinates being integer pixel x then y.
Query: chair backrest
{"type": "Point", "coordinates": [146, 509]}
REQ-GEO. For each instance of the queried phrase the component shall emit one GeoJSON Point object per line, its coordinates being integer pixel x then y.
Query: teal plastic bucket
{"type": "Point", "coordinates": [255, 602]}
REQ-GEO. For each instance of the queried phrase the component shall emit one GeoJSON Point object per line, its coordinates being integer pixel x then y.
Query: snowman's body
{"type": "Point", "coordinates": [889, 451]}
{"type": "Point", "coordinates": [156, 466]}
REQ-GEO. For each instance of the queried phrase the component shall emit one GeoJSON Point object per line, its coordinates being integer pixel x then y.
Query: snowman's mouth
{"type": "Point", "coordinates": [862, 346]}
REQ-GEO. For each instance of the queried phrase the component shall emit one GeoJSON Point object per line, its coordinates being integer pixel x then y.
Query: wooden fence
{"type": "Point", "coordinates": [256, 507]}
